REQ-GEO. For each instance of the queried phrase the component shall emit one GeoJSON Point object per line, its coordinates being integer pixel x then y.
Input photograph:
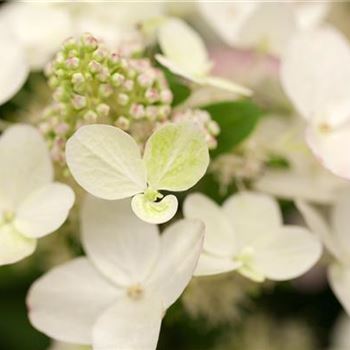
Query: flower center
{"type": "Point", "coordinates": [8, 216]}
{"type": "Point", "coordinates": [152, 195]}
{"type": "Point", "coordinates": [325, 128]}
{"type": "Point", "coordinates": [135, 292]}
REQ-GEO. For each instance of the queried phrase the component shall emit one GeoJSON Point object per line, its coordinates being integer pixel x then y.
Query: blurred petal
{"type": "Point", "coordinates": [176, 157]}
{"type": "Point", "coordinates": [25, 164]}
{"type": "Point", "coordinates": [289, 184]}
{"type": "Point", "coordinates": [268, 28]}
{"type": "Point", "coordinates": [339, 279]}
{"type": "Point", "coordinates": [318, 225]}
{"type": "Point", "coordinates": [122, 246]}
{"type": "Point", "coordinates": [329, 148]}
{"type": "Point", "coordinates": [219, 238]}
{"type": "Point", "coordinates": [212, 265]}
{"type": "Point", "coordinates": [13, 66]}
{"type": "Point", "coordinates": [154, 212]}
{"type": "Point", "coordinates": [67, 301]}
{"type": "Point", "coordinates": [340, 222]}
{"type": "Point", "coordinates": [182, 243]}
{"type": "Point", "coordinates": [227, 85]}
{"type": "Point", "coordinates": [14, 246]}
{"type": "Point", "coordinates": [129, 324]}
{"type": "Point", "coordinates": [288, 253]}
{"type": "Point", "coordinates": [28, 20]}
{"type": "Point", "coordinates": [316, 89]}
{"type": "Point", "coordinates": [45, 210]}
{"type": "Point", "coordinates": [252, 215]}
{"type": "Point", "coordinates": [227, 18]}
{"type": "Point", "coordinates": [178, 41]}
{"type": "Point", "coordinates": [106, 162]}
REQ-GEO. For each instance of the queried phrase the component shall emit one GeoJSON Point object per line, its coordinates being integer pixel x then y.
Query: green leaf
{"type": "Point", "coordinates": [180, 91]}
{"type": "Point", "coordinates": [236, 119]}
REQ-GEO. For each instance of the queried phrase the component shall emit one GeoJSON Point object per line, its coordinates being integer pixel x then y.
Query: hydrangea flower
{"type": "Point", "coordinates": [115, 297]}
{"type": "Point", "coordinates": [107, 163]}
{"type": "Point", "coordinates": [335, 236]}
{"type": "Point", "coordinates": [267, 26]}
{"type": "Point", "coordinates": [179, 42]}
{"type": "Point", "coordinates": [304, 178]}
{"type": "Point", "coordinates": [247, 234]}
{"type": "Point", "coordinates": [13, 65]}
{"type": "Point", "coordinates": [32, 205]}
{"type": "Point", "coordinates": [321, 93]}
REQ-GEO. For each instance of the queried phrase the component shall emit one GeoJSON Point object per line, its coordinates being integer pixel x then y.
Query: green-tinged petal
{"type": "Point", "coordinates": [176, 157]}
{"type": "Point", "coordinates": [227, 85]}
{"type": "Point", "coordinates": [13, 246]}
{"type": "Point", "coordinates": [106, 162]}
{"type": "Point", "coordinates": [154, 212]}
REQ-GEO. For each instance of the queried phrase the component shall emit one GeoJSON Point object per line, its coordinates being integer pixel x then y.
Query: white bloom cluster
{"type": "Point", "coordinates": [141, 243]}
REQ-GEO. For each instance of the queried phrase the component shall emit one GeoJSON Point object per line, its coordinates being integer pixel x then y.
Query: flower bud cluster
{"type": "Point", "coordinates": [203, 120]}
{"type": "Point", "coordinates": [93, 85]}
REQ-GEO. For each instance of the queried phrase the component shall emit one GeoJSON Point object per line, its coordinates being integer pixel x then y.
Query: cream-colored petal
{"type": "Point", "coordinates": [129, 324]}
{"type": "Point", "coordinates": [106, 162]}
{"type": "Point", "coordinates": [122, 247]}
{"type": "Point", "coordinates": [219, 238]}
{"type": "Point", "coordinates": [181, 244]}
{"type": "Point", "coordinates": [25, 164]}
{"type": "Point", "coordinates": [45, 210]}
{"type": "Point", "coordinates": [13, 245]}
{"type": "Point", "coordinates": [67, 301]}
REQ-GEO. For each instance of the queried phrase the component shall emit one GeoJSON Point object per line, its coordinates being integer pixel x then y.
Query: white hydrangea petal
{"type": "Point", "coordinates": [290, 184]}
{"type": "Point", "coordinates": [45, 210]}
{"type": "Point", "coordinates": [28, 20]}
{"type": "Point", "coordinates": [219, 238]}
{"type": "Point", "coordinates": [252, 215]}
{"type": "Point", "coordinates": [310, 14]}
{"type": "Point", "coordinates": [225, 84]}
{"type": "Point", "coordinates": [13, 245]}
{"type": "Point", "coordinates": [227, 18]}
{"type": "Point", "coordinates": [14, 68]}
{"type": "Point", "coordinates": [67, 301]}
{"type": "Point", "coordinates": [316, 223]}
{"type": "Point", "coordinates": [340, 222]}
{"type": "Point", "coordinates": [176, 157]}
{"type": "Point", "coordinates": [178, 41]}
{"type": "Point", "coordinates": [106, 162]}
{"type": "Point", "coordinates": [122, 246]}
{"type": "Point", "coordinates": [212, 265]}
{"type": "Point", "coordinates": [25, 164]}
{"type": "Point", "coordinates": [316, 89]}
{"type": "Point", "coordinates": [288, 253]}
{"type": "Point", "coordinates": [268, 28]}
{"type": "Point", "coordinates": [339, 280]}
{"type": "Point", "coordinates": [206, 80]}
{"type": "Point", "coordinates": [129, 324]}
{"type": "Point", "coordinates": [181, 244]}
{"type": "Point", "coordinates": [329, 148]}
{"type": "Point", "coordinates": [154, 212]}
{"type": "Point", "coordinates": [176, 69]}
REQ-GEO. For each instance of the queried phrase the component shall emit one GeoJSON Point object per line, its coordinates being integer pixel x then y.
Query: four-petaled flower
{"type": "Point", "coordinates": [115, 297]}
{"type": "Point", "coordinates": [247, 235]}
